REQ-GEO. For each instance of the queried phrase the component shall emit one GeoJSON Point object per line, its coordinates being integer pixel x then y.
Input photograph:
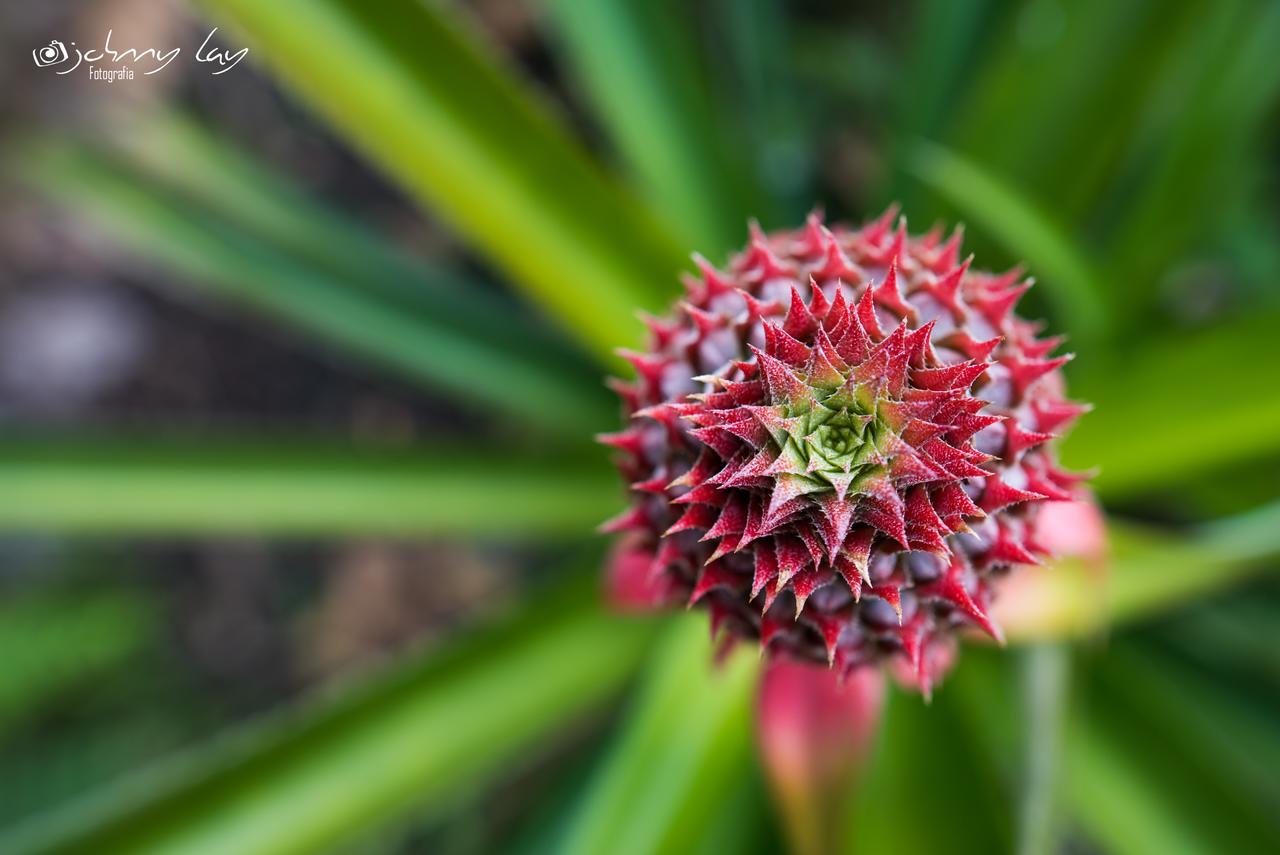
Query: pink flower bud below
{"type": "Point", "coordinates": [1076, 529]}
{"type": "Point", "coordinates": [630, 583]}
{"type": "Point", "coordinates": [1069, 592]}
{"type": "Point", "coordinates": [815, 733]}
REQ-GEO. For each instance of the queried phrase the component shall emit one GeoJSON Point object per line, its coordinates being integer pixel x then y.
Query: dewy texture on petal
{"type": "Point", "coordinates": [838, 444]}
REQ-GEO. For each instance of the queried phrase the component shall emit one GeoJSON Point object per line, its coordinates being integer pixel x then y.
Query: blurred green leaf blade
{"type": "Point", "coordinates": [424, 100]}
{"type": "Point", "coordinates": [1158, 763]}
{"type": "Point", "coordinates": [206, 168]}
{"type": "Point", "coordinates": [419, 734]}
{"type": "Point", "coordinates": [1178, 406]}
{"type": "Point", "coordinates": [1045, 680]}
{"type": "Point", "coordinates": [1022, 227]}
{"type": "Point", "coordinates": [640, 64]}
{"type": "Point", "coordinates": [53, 642]}
{"type": "Point", "coordinates": [926, 764]}
{"type": "Point", "coordinates": [684, 746]}
{"type": "Point", "coordinates": [1202, 152]}
{"type": "Point", "coordinates": [245, 487]}
{"type": "Point", "coordinates": [237, 265]}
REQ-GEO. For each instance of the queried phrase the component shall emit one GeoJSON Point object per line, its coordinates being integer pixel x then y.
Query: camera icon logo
{"type": "Point", "coordinates": [51, 54]}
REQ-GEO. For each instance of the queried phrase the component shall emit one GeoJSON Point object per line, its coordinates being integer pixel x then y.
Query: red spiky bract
{"type": "Point", "coordinates": [839, 443]}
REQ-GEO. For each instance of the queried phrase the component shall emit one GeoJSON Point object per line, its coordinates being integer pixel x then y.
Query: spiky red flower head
{"type": "Point", "coordinates": [837, 445]}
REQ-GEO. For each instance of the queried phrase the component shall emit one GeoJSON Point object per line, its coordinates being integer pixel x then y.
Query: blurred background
{"type": "Point", "coordinates": [300, 363]}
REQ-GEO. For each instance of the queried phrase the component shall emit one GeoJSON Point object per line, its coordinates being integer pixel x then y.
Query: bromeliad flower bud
{"type": "Point", "coordinates": [839, 444]}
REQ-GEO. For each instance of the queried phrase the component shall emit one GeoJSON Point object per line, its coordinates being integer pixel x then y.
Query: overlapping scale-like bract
{"type": "Point", "coordinates": [838, 444]}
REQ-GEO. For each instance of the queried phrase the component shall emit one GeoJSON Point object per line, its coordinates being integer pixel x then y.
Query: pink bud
{"type": "Point", "coordinates": [1075, 529]}
{"type": "Point", "coordinates": [815, 735]}
{"type": "Point", "coordinates": [630, 584]}
{"type": "Point", "coordinates": [1070, 591]}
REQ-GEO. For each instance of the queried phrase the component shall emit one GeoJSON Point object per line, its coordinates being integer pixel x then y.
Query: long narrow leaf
{"type": "Point", "coordinates": [685, 744]}
{"type": "Point", "coordinates": [211, 486]}
{"type": "Point", "coordinates": [754, 81]}
{"type": "Point", "coordinates": [945, 36]}
{"type": "Point", "coordinates": [1227, 744]}
{"type": "Point", "coordinates": [1056, 126]}
{"type": "Point", "coordinates": [166, 227]}
{"type": "Point", "coordinates": [1178, 407]}
{"type": "Point", "coordinates": [1046, 687]}
{"type": "Point", "coordinates": [1193, 161]}
{"type": "Point", "coordinates": [927, 764]}
{"type": "Point", "coordinates": [55, 642]}
{"type": "Point", "coordinates": [1022, 227]}
{"type": "Point", "coordinates": [210, 171]}
{"type": "Point", "coordinates": [640, 64]}
{"type": "Point", "coordinates": [1119, 805]}
{"type": "Point", "coordinates": [1182, 752]}
{"type": "Point", "coordinates": [421, 734]}
{"type": "Point", "coordinates": [423, 99]}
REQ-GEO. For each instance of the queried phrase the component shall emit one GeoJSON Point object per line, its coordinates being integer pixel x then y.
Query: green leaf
{"type": "Point", "coordinates": [419, 736]}
{"type": "Point", "coordinates": [1133, 167]}
{"type": "Point", "coordinates": [216, 486]}
{"type": "Point", "coordinates": [208, 170]}
{"type": "Point", "coordinates": [749, 46]}
{"type": "Point", "coordinates": [1228, 745]}
{"type": "Point", "coordinates": [640, 65]}
{"type": "Point", "coordinates": [944, 39]}
{"type": "Point", "coordinates": [1231, 637]}
{"type": "Point", "coordinates": [167, 227]}
{"type": "Point", "coordinates": [1046, 689]}
{"type": "Point", "coordinates": [427, 103]}
{"type": "Point", "coordinates": [1183, 405]}
{"type": "Point", "coordinates": [1163, 764]}
{"type": "Point", "coordinates": [1194, 159]}
{"type": "Point", "coordinates": [1025, 230]}
{"type": "Point", "coordinates": [685, 745]}
{"type": "Point", "coordinates": [1119, 805]}
{"type": "Point", "coordinates": [1056, 125]}
{"type": "Point", "coordinates": [54, 642]}
{"type": "Point", "coordinates": [927, 764]}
